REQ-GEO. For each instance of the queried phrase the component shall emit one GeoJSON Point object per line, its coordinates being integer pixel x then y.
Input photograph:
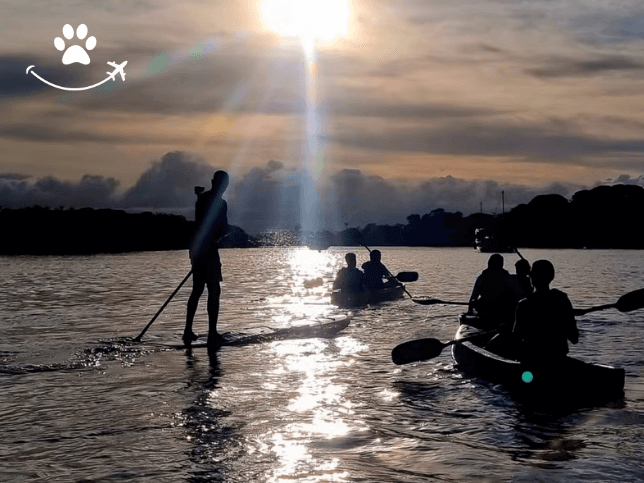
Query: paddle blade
{"type": "Point", "coordinates": [407, 277]}
{"type": "Point", "coordinates": [314, 282]}
{"type": "Point", "coordinates": [427, 300]}
{"type": "Point", "coordinates": [416, 350]}
{"type": "Point", "coordinates": [631, 301]}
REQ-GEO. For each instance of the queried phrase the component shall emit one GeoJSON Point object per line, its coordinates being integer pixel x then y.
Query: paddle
{"type": "Point", "coordinates": [390, 275]}
{"type": "Point", "coordinates": [406, 276]}
{"type": "Point", "coordinates": [423, 349]}
{"type": "Point", "coordinates": [314, 282]}
{"type": "Point", "coordinates": [401, 276]}
{"type": "Point", "coordinates": [433, 301]}
{"type": "Point", "coordinates": [138, 338]}
{"type": "Point", "coordinates": [631, 301]}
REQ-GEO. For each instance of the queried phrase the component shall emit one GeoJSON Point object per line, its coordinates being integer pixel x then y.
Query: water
{"type": "Point", "coordinates": [81, 403]}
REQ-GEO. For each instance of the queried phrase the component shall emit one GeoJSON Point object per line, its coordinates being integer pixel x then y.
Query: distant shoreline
{"type": "Point", "coordinates": [606, 217]}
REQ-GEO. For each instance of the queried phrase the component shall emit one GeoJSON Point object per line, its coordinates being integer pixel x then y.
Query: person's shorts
{"type": "Point", "coordinates": [207, 270]}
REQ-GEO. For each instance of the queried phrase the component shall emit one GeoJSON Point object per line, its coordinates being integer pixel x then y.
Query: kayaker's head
{"type": "Point", "coordinates": [220, 182]}
{"type": "Point", "coordinates": [495, 262]}
{"type": "Point", "coordinates": [351, 260]}
{"type": "Point", "coordinates": [375, 255]}
{"type": "Point", "coordinates": [542, 273]}
{"type": "Point", "coordinates": [522, 267]}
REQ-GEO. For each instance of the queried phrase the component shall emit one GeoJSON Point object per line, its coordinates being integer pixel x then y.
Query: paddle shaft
{"type": "Point", "coordinates": [593, 309]}
{"type": "Point", "coordinates": [470, 337]}
{"type": "Point", "coordinates": [422, 301]}
{"type": "Point", "coordinates": [138, 338]}
{"type": "Point", "coordinates": [424, 349]}
{"type": "Point", "coordinates": [369, 249]}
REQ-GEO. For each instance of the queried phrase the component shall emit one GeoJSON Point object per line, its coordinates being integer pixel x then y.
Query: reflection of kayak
{"type": "Point", "coordinates": [361, 299]}
{"type": "Point", "coordinates": [574, 382]}
{"type": "Point", "coordinates": [326, 327]}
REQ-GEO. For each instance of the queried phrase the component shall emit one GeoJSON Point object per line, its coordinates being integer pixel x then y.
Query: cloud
{"type": "Point", "coordinates": [64, 133]}
{"type": "Point", "coordinates": [561, 67]}
{"type": "Point", "coordinates": [277, 195]}
{"type": "Point", "coordinates": [16, 83]}
{"type": "Point", "coordinates": [94, 191]}
{"type": "Point", "coordinates": [551, 141]}
{"type": "Point", "coordinates": [168, 184]}
{"type": "Point", "coordinates": [367, 199]}
{"type": "Point", "coordinates": [232, 79]}
{"type": "Point", "coordinates": [365, 107]}
{"type": "Point", "coordinates": [610, 27]}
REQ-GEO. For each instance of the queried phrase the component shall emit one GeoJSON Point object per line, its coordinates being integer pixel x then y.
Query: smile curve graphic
{"type": "Point", "coordinates": [118, 69]}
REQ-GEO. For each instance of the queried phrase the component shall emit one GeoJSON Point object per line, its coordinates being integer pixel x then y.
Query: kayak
{"type": "Point", "coordinates": [362, 299]}
{"type": "Point", "coordinates": [325, 328]}
{"type": "Point", "coordinates": [572, 383]}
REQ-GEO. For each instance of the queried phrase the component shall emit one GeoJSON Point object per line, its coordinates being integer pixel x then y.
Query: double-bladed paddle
{"type": "Point", "coordinates": [631, 301]}
{"type": "Point", "coordinates": [396, 277]}
{"type": "Point", "coordinates": [401, 277]}
{"type": "Point", "coordinates": [424, 349]}
{"type": "Point", "coordinates": [406, 276]}
{"type": "Point", "coordinates": [433, 301]}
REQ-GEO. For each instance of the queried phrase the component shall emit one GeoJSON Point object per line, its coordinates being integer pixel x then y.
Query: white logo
{"type": "Point", "coordinates": [78, 54]}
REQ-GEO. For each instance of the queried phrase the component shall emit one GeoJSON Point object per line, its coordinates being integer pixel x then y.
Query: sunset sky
{"type": "Point", "coordinates": [415, 105]}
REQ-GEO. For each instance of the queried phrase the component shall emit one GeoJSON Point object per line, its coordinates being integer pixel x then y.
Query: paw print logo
{"type": "Point", "coordinates": [75, 53]}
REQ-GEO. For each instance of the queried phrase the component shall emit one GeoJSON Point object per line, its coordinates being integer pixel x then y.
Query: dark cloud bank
{"type": "Point", "coordinates": [272, 196]}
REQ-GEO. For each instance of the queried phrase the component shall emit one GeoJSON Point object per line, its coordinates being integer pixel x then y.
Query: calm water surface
{"type": "Point", "coordinates": [80, 403]}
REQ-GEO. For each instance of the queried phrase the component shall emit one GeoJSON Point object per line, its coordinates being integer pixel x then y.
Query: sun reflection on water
{"type": "Point", "coordinates": [301, 300]}
{"type": "Point", "coordinates": [319, 408]}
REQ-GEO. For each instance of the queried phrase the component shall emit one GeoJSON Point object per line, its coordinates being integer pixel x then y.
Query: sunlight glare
{"type": "Point", "coordinates": [307, 19]}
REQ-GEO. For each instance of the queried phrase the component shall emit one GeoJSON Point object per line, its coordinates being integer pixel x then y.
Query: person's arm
{"type": "Point", "coordinates": [221, 226]}
{"type": "Point", "coordinates": [386, 273]}
{"type": "Point", "coordinates": [476, 291]}
{"type": "Point", "coordinates": [572, 332]}
{"type": "Point", "coordinates": [337, 283]}
{"type": "Point", "coordinates": [363, 278]}
{"type": "Point", "coordinates": [519, 321]}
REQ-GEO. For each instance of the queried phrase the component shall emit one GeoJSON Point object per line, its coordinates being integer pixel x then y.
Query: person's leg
{"type": "Point", "coordinates": [198, 284]}
{"type": "Point", "coordinates": [214, 292]}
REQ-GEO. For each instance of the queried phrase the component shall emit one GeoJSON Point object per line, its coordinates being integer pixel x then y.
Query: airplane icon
{"type": "Point", "coordinates": [118, 69]}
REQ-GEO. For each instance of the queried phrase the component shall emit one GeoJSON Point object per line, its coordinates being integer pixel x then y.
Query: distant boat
{"type": "Point", "coordinates": [318, 245]}
{"type": "Point", "coordinates": [488, 243]}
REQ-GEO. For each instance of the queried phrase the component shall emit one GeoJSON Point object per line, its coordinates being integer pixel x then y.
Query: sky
{"type": "Point", "coordinates": [414, 105]}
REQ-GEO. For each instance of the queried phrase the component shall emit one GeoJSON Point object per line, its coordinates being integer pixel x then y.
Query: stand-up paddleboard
{"type": "Point", "coordinates": [324, 328]}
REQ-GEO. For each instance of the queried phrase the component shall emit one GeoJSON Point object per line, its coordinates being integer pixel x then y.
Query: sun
{"type": "Point", "coordinates": [308, 20]}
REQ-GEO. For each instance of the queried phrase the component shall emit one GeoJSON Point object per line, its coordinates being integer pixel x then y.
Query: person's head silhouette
{"type": "Point", "coordinates": [495, 262]}
{"type": "Point", "coordinates": [220, 182]}
{"type": "Point", "coordinates": [351, 260]}
{"type": "Point", "coordinates": [542, 273]}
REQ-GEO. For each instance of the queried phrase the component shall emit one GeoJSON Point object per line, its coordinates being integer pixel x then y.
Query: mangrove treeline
{"type": "Point", "coordinates": [602, 217]}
